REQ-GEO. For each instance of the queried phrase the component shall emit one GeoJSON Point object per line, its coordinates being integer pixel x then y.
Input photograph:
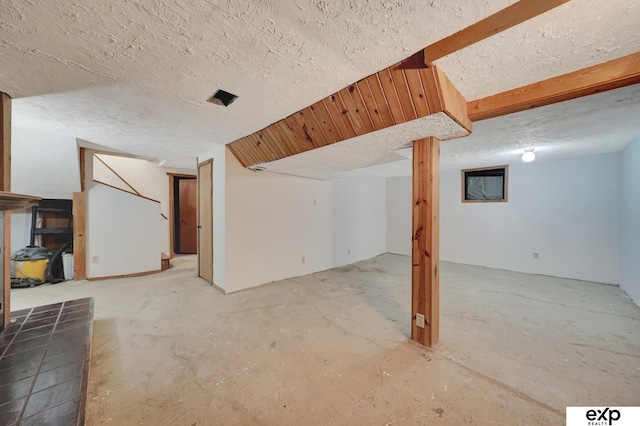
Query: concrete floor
{"type": "Point", "coordinates": [332, 348]}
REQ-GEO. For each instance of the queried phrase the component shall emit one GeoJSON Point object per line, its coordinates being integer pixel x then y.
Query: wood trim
{"type": "Point", "coordinates": [172, 215]}
{"type": "Point", "coordinates": [172, 211]}
{"type": "Point", "coordinates": [97, 157]}
{"type": "Point", "coordinates": [182, 175]}
{"type": "Point", "coordinates": [5, 142]}
{"type": "Point", "coordinates": [5, 185]}
{"type": "Point", "coordinates": [425, 253]}
{"type": "Point", "coordinates": [506, 184]}
{"type": "Point", "coordinates": [220, 289]}
{"type": "Point", "coordinates": [83, 172]}
{"type": "Point", "coordinates": [475, 169]}
{"type": "Point", "coordinates": [454, 104]}
{"type": "Point", "coordinates": [12, 201]}
{"type": "Point", "coordinates": [126, 192]}
{"type": "Point", "coordinates": [506, 18]}
{"type": "Point", "coordinates": [173, 180]}
{"type": "Point", "coordinates": [209, 226]}
{"type": "Point", "coordinates": [79, 235]}
{"type": "Point", "coordinates": [6, 291]}
{"type": "Point", "coordinates": [610, 75]}
{"type": "Point", "coordinates": [137, 274]}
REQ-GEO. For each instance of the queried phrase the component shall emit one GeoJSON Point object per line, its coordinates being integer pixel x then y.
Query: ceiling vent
{"type": "Point", "coordinates": [222, 98]}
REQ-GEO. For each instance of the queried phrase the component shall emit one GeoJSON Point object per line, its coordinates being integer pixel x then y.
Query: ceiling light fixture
{"type": "Point", "coordinates": [528, 155]}
{"type": "Point", "coordinates": [222, 98]}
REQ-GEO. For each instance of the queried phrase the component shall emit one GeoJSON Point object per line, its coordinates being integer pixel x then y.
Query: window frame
{"type": "Point", "coordinates": [477, 169]}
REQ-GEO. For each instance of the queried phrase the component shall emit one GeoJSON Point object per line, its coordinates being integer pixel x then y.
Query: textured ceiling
{"type": "Point", "coordinates": [575, 35]}
{"type": "Point", "coordinates": [597, 124]}
{"type": "Point", "coordinates": [134, 75]}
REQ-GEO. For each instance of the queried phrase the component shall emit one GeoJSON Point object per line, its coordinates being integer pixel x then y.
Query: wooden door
{"type": "Point", "coordinates": [205, 220]}
{"type": "Point", "coordinates": [186, 217]}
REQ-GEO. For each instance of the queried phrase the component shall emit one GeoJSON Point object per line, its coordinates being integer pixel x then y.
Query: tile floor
{"type": "Point", "coordinates": [44, 355]}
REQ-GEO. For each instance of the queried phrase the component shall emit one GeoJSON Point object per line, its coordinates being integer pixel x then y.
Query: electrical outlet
{"type": "Point", "coordinates": [303, 260]}
{"type": "Point", "coordinates": [536, 255]}
{"type": "Point", "coordinates": [420, 320]}
{"type": "Point", "coordinates": [94, 259]}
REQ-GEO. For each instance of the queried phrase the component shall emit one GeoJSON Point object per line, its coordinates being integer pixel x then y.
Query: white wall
{"type": "Point", "coordinates": [630, 220]}
{"type": "Point", "coordinates": [358, 219]}
{"type": "Point", "coordinates": [399, 215]}
{"type": "Point", "coordinates": [20, 228]}
{"type": "Point", "coordinates": [121, 233]}
{"type": "Point", "coordinates": [42, 164]}
{"type": "Point", "coordinates": [147, 178]}
{"type": "Point", "coordinates": [273, 221]}
{"type": "Point", "coordinates": [566, 210]}
{"type": "Point", "coordinates": [121, 230]}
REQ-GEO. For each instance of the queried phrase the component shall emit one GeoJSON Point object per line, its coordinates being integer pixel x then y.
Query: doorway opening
{"type": "Point", "coordinates": [183, 214]}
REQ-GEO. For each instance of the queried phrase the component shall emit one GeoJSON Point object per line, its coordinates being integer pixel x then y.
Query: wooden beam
{"type": "Point", "coordinates": [79, 235]}
{"type": "Point", "coordinates": [425, 272]}
{"type": "Point", "coordinates": [5, 185]}
{"type": "Point", "coordinates": [610, 75]}
{"type": "Point", "coordinates": [509, 17]}
{"type": "Point", "coordinates": [454, 105]}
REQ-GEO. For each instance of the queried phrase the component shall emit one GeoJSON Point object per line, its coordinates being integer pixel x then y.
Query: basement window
{"type": "Point", "coordinates": [488, 184]}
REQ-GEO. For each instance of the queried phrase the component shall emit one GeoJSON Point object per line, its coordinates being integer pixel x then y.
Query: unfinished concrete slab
{"type": "Point", "coordinates": [333, 348]}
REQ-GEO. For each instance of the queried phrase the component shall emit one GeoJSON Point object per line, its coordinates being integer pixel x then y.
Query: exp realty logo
{"type": "Point", "coordinates": [603, 416]}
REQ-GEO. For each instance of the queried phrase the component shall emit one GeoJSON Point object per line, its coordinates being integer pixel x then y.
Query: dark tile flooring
{"type": "Point", "coordinates": [44, 364]}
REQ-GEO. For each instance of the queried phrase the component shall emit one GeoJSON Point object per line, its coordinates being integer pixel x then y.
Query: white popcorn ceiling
{"type": "Point", "coordinates": [134, 75]}
{"type": "Point", "coordinates": [598, 124]}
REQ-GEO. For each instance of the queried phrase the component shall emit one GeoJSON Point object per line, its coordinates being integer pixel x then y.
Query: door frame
{"type": "Point", "coordinates": [173, 179]}
{"type": "Point", "coordinates": [205, 163]}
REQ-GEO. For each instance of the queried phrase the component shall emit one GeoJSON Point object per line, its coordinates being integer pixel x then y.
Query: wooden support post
{"type": "Point", "coordinates": [5, 185]}
{"type": "Point", "coordinates": [79, 232]}
{"type": "Point", "coordinates": [425, 272]}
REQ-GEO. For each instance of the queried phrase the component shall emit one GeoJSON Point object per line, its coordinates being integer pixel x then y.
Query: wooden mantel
{"type": "Point", "coordinates": [11, 201]}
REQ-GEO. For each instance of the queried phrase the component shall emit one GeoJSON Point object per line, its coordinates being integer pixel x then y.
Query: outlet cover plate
{"type": "Point", "coordinates": [420, 320]}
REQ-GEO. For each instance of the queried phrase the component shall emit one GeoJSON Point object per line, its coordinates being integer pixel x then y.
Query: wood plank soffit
{"type": "Point", "coordinates": [610, 75]}
{"type": "Point", "coordinates": [405, 91]}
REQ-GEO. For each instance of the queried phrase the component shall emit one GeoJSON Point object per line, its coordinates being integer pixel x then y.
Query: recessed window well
{"type": "Point", "coordinates": [222, 98]}
{"type": "Point", "coordinates": [486, 184]}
